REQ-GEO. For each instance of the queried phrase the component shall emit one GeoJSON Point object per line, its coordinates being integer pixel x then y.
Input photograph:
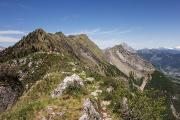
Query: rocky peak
{"type": "Point", "coordinates": [39, 31]}
{"type": "Point", "coordinates": [34, 37]}
{"type": "Point", "coordinates": [90, 112]}
{"type": "Point", "coordinates": [128, 62]}
{"type": "Point", "coordinates": [128, 48]}
{"type": "Point", "coordinates": [60, 34]}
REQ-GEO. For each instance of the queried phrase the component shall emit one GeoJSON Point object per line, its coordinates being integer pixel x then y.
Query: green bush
{"type": "Point", "coordinates": [147, 105]}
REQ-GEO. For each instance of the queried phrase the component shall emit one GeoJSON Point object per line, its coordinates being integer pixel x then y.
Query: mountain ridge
{"type": "Point", "coordinates": [77, 70]}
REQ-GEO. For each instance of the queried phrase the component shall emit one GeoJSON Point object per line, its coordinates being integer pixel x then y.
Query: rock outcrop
{"type": "Point", "coordinates": [7, 98]}
{"type": "Point", "coordinates": [10, 86]}
{"type": "Point", "coordinates": [174, 112]}
{"type": "Point", "coordinates": [50, 113]}
{"type": "Point", "coordinates": [90, 111]}
{"type": "Point", "coordinates": [73, 80]}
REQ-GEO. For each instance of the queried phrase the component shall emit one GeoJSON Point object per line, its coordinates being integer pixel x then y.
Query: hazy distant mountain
{"type": "Point", "coordinates": [167, 60]}
{"type": "Point", "coordinates": [2, 48]}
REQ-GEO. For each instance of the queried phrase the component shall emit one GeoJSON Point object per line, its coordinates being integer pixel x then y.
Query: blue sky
{"type": "Point", "coordinates": [139, 23]}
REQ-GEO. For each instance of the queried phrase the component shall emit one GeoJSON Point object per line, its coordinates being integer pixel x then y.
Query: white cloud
{"type": "Point", "coordinates": [98, 31]}
{"type": "Point", "coordinates": [8, 39]}
{"type": "Point", "coordinates": [11, 32]}
{"type": "Point", "coordinates": [89, 32]}
{"type": "Point", "coordinates": [5, 35]}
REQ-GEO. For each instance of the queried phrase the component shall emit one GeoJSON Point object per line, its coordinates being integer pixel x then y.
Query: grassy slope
{"type": "Point", "coordinates": [34, 102]}
{"type": "Point", "coordinates": [37, 96]}
{"type": "Point", "coordinates": [87, 43]}
{"type": "Point", "coordinates": [48, 68]}
{"type": "Point", "coordinates": [143, 106]}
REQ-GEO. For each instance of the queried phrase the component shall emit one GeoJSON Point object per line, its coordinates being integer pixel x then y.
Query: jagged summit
{"type": "Point", "coordinates": [39, 30]}
{"type": "Point", "coordinates": [40, 41]}
{"type": "Point", "coordinates": [128, 48]}
{"type": "Point", "coordinates": [61, 34]}
{"type": "Point", "coordinates": [124, 46]}
{"type": "Point", "coordinates": [37, 41]}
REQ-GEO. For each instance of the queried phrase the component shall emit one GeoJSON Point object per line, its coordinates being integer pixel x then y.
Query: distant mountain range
{"type": "Point", "coordinates": [167, 60]}
{"type": "Point", "coordinates": [2, 48]}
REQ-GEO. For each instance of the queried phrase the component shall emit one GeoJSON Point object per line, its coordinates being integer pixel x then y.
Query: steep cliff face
{"type": "Point", "coordinates": [128, 62]}
{"type": "Point", "coordinates": [10, 87]}
{"type": "Point", "coordinates": [7, 97]}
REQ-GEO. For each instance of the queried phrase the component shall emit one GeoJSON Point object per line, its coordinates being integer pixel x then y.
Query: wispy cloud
{"type": "Point", "coordinates": [8, 39]}
{"type": "Point", "coordinates": [99, 31]}
{"type": "Point", "coordinates": [7, 36]}
{"type": "Point", "coordinates": [89, 32]}
{"type": "Point", "coordinates": [11, 32]}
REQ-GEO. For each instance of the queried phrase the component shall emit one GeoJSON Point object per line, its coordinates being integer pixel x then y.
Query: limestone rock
{"type": "Point", "coordinates": [90, 112]}
{"type": "Point", "coordinates": [73, 80]}
{"type": "Point", "coordinates": [128, 62]}
{"type": "Point", "coordinates": [90, 79]}
{"type": "Point", "coordinates": [7, 97]}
